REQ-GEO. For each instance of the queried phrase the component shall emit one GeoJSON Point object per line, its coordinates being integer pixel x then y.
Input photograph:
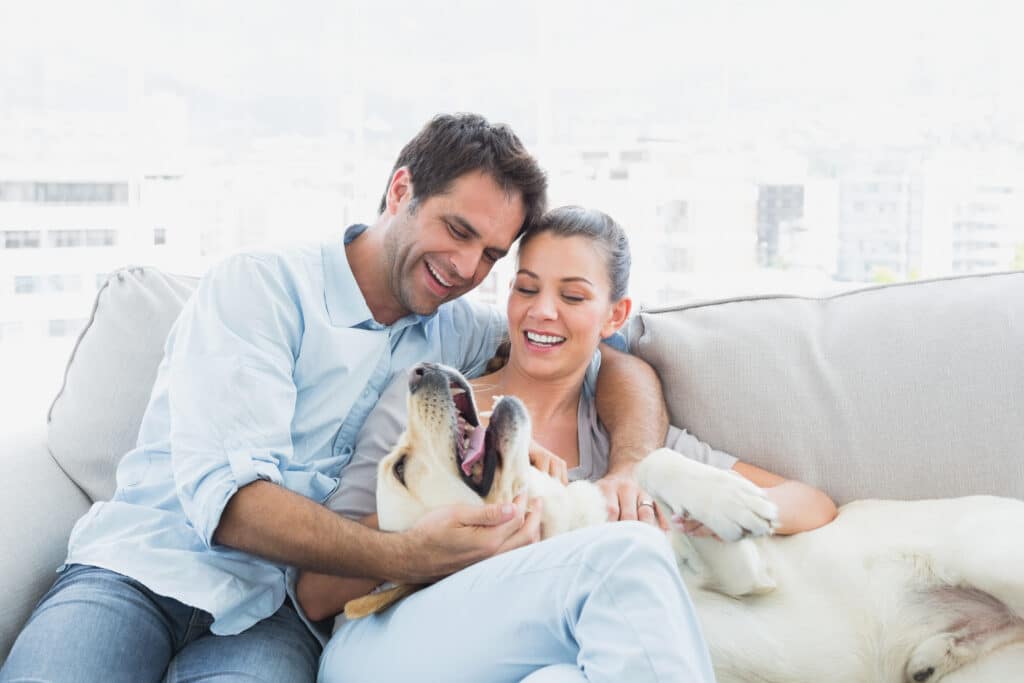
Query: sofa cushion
{"type": "Point", "coordinates": [95, 418]}
{"type": "Point", "coordinates": [38, 506]}
{"type": "Point", "coordinates": [902, 391]}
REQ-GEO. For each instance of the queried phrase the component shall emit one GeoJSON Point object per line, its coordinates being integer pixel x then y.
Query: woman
{"type": "Point", "coordinates": [569, 292]}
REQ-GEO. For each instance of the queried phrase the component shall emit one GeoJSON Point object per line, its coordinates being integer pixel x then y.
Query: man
{"type": "Point", "coordinates": [268, 375]}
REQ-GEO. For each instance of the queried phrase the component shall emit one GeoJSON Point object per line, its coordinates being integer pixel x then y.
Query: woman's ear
{"type": "Point", "coordinates": [617, 317]}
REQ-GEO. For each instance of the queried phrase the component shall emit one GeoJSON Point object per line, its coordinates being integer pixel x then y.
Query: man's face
{"type": "Point", "coordinates": [447, 245]}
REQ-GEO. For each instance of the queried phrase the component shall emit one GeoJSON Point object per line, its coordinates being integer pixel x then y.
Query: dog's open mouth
{"type": "Point", "coordinates": [475, 454]}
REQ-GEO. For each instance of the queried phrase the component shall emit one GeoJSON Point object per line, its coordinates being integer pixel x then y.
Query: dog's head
{"type": "Point", "coordinates": [445, 456]}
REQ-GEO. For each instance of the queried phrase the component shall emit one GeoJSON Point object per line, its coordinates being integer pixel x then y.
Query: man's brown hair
{"type": "Point", "coordinates": [451, 145]}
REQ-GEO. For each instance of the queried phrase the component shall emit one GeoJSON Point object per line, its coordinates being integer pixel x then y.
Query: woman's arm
{"type": "Point", "coordinates": [324, 595]}
{"type": "Point", "coordinates": [801, 506]}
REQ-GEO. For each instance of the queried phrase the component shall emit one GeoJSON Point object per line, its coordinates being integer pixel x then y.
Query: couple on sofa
{"type": "Point", "coordinates": [268, 378]}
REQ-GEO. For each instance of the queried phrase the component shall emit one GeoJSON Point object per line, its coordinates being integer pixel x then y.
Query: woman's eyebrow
{"type": "Point", "coordinates": [575, 278]}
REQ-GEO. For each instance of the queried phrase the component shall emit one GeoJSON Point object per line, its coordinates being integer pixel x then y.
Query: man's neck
{"type": "Point", "coordinates": [365, 256]}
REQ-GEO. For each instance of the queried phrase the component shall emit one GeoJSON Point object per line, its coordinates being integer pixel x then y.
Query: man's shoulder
{"type": "Point", "coordinates": [279, 262]}
{"type": "Point", "coordinates": [465, 311]}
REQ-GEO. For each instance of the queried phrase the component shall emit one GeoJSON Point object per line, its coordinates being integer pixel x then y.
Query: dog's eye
{"type": "Point", "coordinates": [399, 470]}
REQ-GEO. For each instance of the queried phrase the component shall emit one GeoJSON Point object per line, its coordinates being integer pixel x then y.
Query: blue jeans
{"type": "Point", "coordinates": [600, 604]}
{"type": "Point", "coordinates": [97, 625]}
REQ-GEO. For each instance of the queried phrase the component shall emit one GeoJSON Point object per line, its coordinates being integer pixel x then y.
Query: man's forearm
{"type": "Point", "coordinates": [282, 526]}
{"type": "Point", "coordinates": [631, 405]}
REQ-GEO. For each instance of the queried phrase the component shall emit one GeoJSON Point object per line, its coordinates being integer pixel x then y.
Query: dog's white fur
{"type": "Point", "coordinates": [889, 591]}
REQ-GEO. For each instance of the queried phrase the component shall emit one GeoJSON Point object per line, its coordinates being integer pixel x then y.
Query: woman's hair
{"type": "Point", "coordinates": [597, 227]}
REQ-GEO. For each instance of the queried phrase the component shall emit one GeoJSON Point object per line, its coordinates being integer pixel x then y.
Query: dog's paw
{"type": "Point", "coordinates": [733, 508]}
{"type": "Point", "coordinates": [723, 501]}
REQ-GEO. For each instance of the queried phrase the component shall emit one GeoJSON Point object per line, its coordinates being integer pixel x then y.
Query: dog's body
{"type": "Point", "coordinates": [890, 591]}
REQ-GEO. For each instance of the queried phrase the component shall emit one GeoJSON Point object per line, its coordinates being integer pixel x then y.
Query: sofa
{"type": "Point", "coordinates": [901, 391]}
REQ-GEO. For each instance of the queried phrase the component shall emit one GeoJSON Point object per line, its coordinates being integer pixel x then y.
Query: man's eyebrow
{"type": "Point", "coordinates": [496, 252]}
{"type": "Point", "coordinates": [463, 223]}
{"type": "Point", "coordinates": [530, 273]}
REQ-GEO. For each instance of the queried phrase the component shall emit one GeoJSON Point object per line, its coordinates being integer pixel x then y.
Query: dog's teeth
{"type": "Point", "coordinates": [458, 390]}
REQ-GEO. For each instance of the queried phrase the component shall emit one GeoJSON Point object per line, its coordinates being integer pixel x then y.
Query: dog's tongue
{"type": "Point", "coordinates": [475, 451]}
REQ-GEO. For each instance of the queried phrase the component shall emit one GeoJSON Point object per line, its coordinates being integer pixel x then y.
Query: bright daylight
{"type": "Point", "coordinates": [201, 165]}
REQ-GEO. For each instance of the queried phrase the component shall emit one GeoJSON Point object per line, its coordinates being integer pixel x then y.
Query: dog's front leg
{"type": "Point", "coordinates": [726, 503]}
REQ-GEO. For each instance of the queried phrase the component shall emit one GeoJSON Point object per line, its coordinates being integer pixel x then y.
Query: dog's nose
{"type": "Point", "coordinates": [418, 372]}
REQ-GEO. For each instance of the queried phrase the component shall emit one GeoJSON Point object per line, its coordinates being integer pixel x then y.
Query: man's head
{"type": "Point", "coordinates": [460, 193]}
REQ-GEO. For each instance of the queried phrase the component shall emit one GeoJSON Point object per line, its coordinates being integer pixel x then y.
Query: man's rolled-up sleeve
{"type": "Point", "coordinates": [230, 385]}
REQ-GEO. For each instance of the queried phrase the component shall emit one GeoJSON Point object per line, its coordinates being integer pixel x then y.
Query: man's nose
{"type": "Point", "coordinates": [466, 262]}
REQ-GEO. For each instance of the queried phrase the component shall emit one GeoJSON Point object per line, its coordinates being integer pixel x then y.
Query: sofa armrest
{"type": "Point", "coordinates": [38, 506]}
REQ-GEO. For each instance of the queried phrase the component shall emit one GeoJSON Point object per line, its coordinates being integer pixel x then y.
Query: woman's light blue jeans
{"type": "Point", "coordinates": [97, 625]}
{"type": "Point", "coordinates": [600, 604]}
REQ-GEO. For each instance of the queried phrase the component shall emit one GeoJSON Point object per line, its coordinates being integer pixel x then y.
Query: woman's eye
{"type": "Point", "coordinates": [572, 298]}
{"type": "Point", "coordinates": [399, 470]}
{"type": "Point", "coordinates": [526, 290]}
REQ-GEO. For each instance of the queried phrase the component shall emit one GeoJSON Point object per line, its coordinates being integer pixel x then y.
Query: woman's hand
{"type": "Point", "coordinates": [627, 501]}
{"type": "Point", "coordinates": [549, 463]}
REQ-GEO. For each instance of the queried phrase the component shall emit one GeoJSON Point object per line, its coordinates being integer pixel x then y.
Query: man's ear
{"type": "Point", "coordinates": [617, 317]}
{"type": "Point", "coordinates": [399, 190]}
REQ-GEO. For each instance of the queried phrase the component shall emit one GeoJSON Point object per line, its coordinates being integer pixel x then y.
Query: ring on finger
{"type": "Point", "coordinates": [647, 501]}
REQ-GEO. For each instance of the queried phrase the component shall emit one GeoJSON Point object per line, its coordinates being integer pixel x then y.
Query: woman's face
{"type": "Point", "coordinates": [560, 308]}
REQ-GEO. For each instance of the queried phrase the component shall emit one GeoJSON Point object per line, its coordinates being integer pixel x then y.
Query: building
{"type": "Point", "coordinates": [61, 234]}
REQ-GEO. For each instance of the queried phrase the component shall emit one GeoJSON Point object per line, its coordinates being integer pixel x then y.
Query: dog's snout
{"type": "Point", "coordinates": [419, 372]}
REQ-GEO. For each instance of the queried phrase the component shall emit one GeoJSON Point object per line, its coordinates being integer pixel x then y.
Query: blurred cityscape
{"type": "Point", "coordinates": [798, 149]}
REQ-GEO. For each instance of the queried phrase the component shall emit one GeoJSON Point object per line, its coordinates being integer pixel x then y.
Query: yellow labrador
{"type": "Point", "coordinates": [889, 591]}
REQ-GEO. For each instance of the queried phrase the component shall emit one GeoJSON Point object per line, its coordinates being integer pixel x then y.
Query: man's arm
{"type": "Point", "coordinates": [631, 405]}
{"type": "Point", "coordinates": [282, 526]}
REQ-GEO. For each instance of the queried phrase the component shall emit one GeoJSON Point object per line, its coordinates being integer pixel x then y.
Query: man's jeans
{"type": "Point", "coordinates": [97, 625]}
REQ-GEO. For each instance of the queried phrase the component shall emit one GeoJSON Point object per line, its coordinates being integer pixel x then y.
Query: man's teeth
{"type": "Point", "coordinates": [437, 276]}
{"type": "Point", "coordinates": [544, 338]}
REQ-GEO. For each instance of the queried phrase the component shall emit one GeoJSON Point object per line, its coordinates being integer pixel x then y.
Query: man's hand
{"type": "Point", "coordinates": [549, 463]}
{"type": "Point", "coordinates": [453, 537]}
{"type": "Point", "coordinates": [627, 501]}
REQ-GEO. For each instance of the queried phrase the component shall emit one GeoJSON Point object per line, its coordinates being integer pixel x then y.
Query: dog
{"type": "Point", "coordinates": [889, 591]}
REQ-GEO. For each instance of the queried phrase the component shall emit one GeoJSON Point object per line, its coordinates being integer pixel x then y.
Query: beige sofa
{"type": "Point", "coordinates": [904, 391]}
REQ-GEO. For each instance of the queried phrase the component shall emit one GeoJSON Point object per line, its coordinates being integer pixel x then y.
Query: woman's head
{"type": "Point", "coordinates": [600, 230]}
{"type": "Point", "coordinates": [569, 291]}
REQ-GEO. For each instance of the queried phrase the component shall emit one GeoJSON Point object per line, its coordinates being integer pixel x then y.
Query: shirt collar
{"type": "Point", "coordinates": [346, 306]}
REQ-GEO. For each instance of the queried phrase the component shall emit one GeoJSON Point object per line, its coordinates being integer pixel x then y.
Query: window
{"type": "Point", "coordinates": [20, 239]}
{"type": "Point", "coordinates": [66, 238]}
{"type": "Point", "coordinates": [27, 284]}
{"type": "Point", "coordinates": [65, 327]}
{"type": "Point", "coordinates": [59, 282]}
{"type": "Point", "coordinates": [100, 238]}
{"type": "Point", "coordinates": [159, 236]}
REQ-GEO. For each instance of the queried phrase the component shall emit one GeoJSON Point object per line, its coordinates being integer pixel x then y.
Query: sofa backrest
{"type": "Point", "coordinates": [902, 391]}
{"type": "Point", "coordinates": [95, 418]}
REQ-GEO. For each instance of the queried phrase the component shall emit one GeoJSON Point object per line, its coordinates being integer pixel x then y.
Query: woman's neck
{"type": "Point", "coordinates": [546, 399]}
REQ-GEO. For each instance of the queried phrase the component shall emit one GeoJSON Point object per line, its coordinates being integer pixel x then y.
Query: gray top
{"type": "Point", "coordinates": [356, 495]}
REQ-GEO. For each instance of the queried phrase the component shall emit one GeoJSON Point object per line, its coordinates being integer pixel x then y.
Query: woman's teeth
{"type": "Point", "coordinates": [544, 339]}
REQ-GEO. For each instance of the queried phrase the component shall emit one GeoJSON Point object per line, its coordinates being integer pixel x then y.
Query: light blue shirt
{"type": "Point", "coordinates": [268, 373]}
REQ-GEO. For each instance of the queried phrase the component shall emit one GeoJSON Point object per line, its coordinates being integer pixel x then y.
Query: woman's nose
{"type": "Point", "coordinates": [544, 308]}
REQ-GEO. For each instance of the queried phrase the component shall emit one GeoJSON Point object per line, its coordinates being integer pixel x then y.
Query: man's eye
{"type": "Point", "coordinates": [399, 470]}
{"type": "Point", "coordinates": [457, 234]}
